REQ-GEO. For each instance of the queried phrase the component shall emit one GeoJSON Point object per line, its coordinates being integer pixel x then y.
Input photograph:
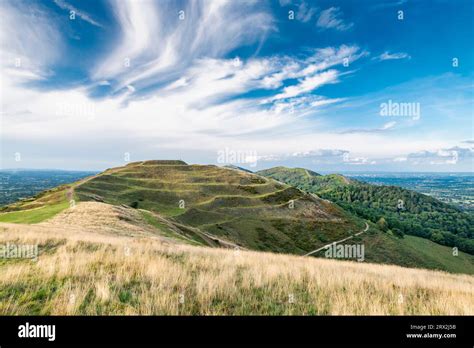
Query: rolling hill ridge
{"type": "Point", "coordinates": [225, 207]}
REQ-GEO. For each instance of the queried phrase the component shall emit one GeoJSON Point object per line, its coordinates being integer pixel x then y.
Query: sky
{"type": "Point", "coordinates": [326, 85]}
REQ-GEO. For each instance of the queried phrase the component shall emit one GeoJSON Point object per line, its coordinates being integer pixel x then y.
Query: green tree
{"type": "Point", "coordinates": [382, 224]}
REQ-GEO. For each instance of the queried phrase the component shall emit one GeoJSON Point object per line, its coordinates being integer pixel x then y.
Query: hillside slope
{"type": "Point", "coordinates": [221, 207]}
{"type": "Point", "coordinates": [402, 210]}
{"type": "Point", "coordinates": [396, 211]}
{"type": "Point", "coordinates": [79, 272]}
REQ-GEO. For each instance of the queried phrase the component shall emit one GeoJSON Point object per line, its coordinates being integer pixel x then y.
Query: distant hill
{"type": "Point", "coordinates": [393, 208]}
{"type": "Point", "coordinates": [305, 179]}
{"type": "Point", "coordinates": [231, 166]}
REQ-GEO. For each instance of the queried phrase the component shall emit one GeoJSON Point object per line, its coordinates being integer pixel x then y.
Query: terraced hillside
{"type": "Point", "coordinates": [249, 210]}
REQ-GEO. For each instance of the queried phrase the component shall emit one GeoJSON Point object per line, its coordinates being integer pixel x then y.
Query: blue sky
{"type": "Point", "coordinates": [94, 84]}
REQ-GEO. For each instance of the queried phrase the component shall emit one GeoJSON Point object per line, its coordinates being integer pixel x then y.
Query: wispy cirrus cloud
{"type": "Point", "coordinates": [30, 41]}
{"type": "Point", "coordinates": [314, 71]}
{"type": "Point", "coordinates": [305, 12]}
{"type": "Point", "coordinates": [155, 48]}
{"type": "Point", "coordinates": [392, 56]}
{"type": "Point", "coordinates": [386, 4]}
{"type": "Point", "coordinates": [308, 84]}
{"type": "Point", "coordinates": [79, 13]}
{"type": "Point", "coordinates": [385, 127]}
{"type": "Point", "coordinates": [331, 18]}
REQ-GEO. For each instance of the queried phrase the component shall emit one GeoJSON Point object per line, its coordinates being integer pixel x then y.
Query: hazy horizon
{"type": "Point", "coordinates": [324, 172]}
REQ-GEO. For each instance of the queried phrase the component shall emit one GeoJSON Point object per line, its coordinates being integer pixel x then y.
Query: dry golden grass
{"type": "Point", "coordinates": [82, 272]}
{"type": "Point", "coordinates": [101, 218]}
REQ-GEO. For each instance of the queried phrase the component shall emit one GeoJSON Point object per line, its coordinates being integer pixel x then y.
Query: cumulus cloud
{"type": "Point", "coordinates": [320, 156]}
{"type": "Point", "coordinates": [444, 156]}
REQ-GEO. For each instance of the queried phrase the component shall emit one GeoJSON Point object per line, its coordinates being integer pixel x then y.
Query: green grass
{"type": "Point", "coordinates": [33, 216]}
{"type": "Point", "coordinates": [411, 251]}
{"type": "Point", "coordinates": [437, 256]}
{"type": "Point", "coordinates": [164, 229]}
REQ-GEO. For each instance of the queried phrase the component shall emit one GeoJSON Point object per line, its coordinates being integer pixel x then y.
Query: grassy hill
{"type": "Point", "coordinates": [243, 208]}
{"type": "Point", "coordinates": [231, 205]}
{"type": "Point", "coordinates": [227, 207]}
{"type": "Point", "coordinates": [306, 179]}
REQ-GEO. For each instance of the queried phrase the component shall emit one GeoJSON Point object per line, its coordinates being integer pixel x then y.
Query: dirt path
{"type": "Point", "coordinates": [339, 241]}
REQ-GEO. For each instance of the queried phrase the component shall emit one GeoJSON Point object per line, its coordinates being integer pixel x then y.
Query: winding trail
{"type": "Point", "coordinates": [340, 241]}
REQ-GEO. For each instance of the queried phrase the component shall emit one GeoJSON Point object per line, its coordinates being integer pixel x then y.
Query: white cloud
{"type": "Point", "coordinates": [312, 72]}
{"type": "Point", "coordinates": [443, 156]}
{"type": "Point", "coordinates": [331, 19]}
{"type": "Point", "coordinates": [29, 41]}
{"type": "Point", "coordinates": [305, 12]}
{"type": "Point", "coordinates": [308, 84]}
{"type": "Point", "coordinates": [182, 82]}
{"type": "Point", "coordinates": [160, 46]}
{"type": "Point", "coordinates": [198, 106]}
{"type": "Point", "coordinates": [355, 160]}
{"type": "Point", "coordinates": [81, 14]}
{"type": "Point", "coordinates": [285, 2]}
{"type": "Point", "coordinates": [389, 125]}
{"type": "Point", "coordinates": [386, 4]}
{"type": "Point", "coordinates": [203, 101]}
{"type": "Point", "coordinates": [392, 56]}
